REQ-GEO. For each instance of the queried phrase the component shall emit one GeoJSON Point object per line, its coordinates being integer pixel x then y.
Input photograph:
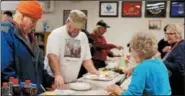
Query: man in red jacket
{"type": "Point", "coordinates": [100, 46]}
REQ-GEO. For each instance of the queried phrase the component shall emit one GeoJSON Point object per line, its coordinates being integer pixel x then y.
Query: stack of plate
{"type": "Point", "coordinates": [80, 86]}
{"type": "Point", "coordinates": [58, 92]}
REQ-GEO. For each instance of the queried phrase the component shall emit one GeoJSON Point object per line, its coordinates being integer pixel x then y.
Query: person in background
{"type": "Point", "coordinates": [174, 60]}
{"type": "Point", "coordinates": [146, 77]}
{"type": "Point", "coordinates": [7, 15]}
{"type": "Point", "coordinates": [100, 46]}
{"type": "Point", "coordinates": [20, 54]}
{"type": "Point", "coordinates": [163, 45]}
{"type": "Point", "coordinates": [90, 39]}
{"type": "Point", "coordinates": [88, 36]}
{"type": "Point", "coordinates": [65, 68]}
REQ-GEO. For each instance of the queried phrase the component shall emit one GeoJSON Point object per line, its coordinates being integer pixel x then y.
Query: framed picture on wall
{"type": "Point", "coordinates": [66, 14]}
{"type": "Point", "coordinates": [154, 24]}
{"type": "Point", "coordinates": [108, 9]}
{"type": "Point", "coordinates": [155, 8]}
{"type": "Point", "coordinates": [177, 9]}
{"type": "Point", "coordinates": [131, 8]}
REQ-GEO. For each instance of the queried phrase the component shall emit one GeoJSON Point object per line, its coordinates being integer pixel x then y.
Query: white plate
{"type": "Point", "coordinates": [64, 92]}
{"type": "Point", "coordinates": [97, 77]}
{"type": "Point", "coordinates": [79, 86]}
{"type": "Point", "coordinates": [93, 92]}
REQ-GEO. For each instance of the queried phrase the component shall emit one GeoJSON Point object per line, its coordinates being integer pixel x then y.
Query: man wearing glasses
{"type": "Point", "coordinates": [21, 57]}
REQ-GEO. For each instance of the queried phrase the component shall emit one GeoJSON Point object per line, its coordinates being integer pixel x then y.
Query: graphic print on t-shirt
{"type": "Point", "coordinates": [72, 48]}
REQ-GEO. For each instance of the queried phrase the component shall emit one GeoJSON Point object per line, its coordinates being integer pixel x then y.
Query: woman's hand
{"type": "Point", "coordinates": [166, 49]}
{"type": "Point", "coordinates": [114, 89]}
{"type": "Point", "coordinates": [128, 72]}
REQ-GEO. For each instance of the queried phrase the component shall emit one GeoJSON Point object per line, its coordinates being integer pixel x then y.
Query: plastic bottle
{"type": "Point", "coordinates": [10, 84]}
{"type": "Point", "coordinates": [5, 89]}
{"type": "Point", "coordinates": [33, 91]}
{"type": "Point", "coordinates": [16, 88]}
{"type": "Point", "coordinates": [26, 89]}
{"type": "Point", "coordinates": [122, 64]}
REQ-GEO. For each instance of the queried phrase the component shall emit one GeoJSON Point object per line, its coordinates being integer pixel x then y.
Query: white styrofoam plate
{"type": "Point", "coordinates": [79, 86]}
{"type": "Point", "coordinates": [93, 92]}
{"type": "Point", "coordinates": [64, 92]}
{"type": "Point", "coordinates": [97, 77]}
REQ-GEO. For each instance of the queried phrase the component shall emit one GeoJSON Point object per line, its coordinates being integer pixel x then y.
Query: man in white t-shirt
{"type": "Point", "coordinates": [68, 49]}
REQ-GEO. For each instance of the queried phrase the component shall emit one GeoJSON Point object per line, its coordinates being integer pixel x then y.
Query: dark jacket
{"type": "Point", "coordinates": [90, 39]}
{"type": "Point", "coordinates": [88, 36]}
{"type": "Point", "coordinates": [175, 62]}
{"type": "Point", "coordinates": [20, 59]}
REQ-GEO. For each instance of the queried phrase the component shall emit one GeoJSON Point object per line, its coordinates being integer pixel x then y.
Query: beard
{"type": "Point", "coordinates": [73, 34]}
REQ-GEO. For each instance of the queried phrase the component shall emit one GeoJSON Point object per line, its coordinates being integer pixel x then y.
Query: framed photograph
{"type": "Point", "coordinates": [177, 9]}
{"type": "Point", "coordinates": [154, 25]}
{"type": "Point", "coordinates": [155, 8]}
{"type": "Point", "coordinates": [108, 9]}
{"type": "Point", "coordinates": [66, 14]}
{"type": "Point", "coordinates": [131, 8]}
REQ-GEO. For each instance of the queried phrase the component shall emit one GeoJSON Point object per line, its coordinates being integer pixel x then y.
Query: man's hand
{"type": "Point", "coordinates": [89, 66]}
{"type": "Point", "coordinates": [117, 55]}
{"type": "Point", "coordinates": [119, 47]}
{"type": "Point", "coordinates": [59, 82]}
{"type": "Point", "coordinates": [55, 67]}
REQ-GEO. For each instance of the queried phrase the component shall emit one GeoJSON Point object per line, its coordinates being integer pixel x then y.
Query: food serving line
{"type": "Point", "coordinates": [95, 84]}
{"type": "Point", "coordinates": [87, 86]}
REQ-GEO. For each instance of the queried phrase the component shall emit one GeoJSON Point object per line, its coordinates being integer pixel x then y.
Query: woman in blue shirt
{"type": "Point", "coordinates": [150, 75]}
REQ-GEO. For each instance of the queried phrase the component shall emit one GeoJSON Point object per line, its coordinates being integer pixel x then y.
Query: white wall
{"type": "Point", "coordinates": [121, 28]}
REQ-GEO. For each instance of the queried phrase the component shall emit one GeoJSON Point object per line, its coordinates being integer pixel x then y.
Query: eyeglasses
{"type": "Point", "coordinates": [34, 21]}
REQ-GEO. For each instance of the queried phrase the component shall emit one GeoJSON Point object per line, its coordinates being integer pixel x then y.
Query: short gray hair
{"type": "Point", "coordinates": [144, 44]}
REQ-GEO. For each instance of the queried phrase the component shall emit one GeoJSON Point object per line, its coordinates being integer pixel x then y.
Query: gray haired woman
{"type": "Point", "coordinates": [150, 74]}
